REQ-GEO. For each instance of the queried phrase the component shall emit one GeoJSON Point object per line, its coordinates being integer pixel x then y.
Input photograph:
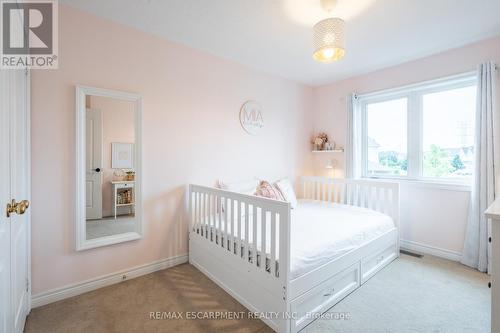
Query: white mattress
{"type": "Point", "coordinates": [321, 232]}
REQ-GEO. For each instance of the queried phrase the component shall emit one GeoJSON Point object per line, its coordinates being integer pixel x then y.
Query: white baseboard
{"type": "Point", "coordinates": [432, 250]}
{"type": "Point", "coordinates": [71, 290]}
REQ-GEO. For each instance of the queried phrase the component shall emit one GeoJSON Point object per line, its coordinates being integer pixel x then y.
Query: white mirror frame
{"type": "Point", "coordinates": [81, 242]}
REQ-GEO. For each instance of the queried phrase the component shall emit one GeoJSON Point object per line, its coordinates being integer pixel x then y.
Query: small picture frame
{"type": "Point", "coordinates": [329, 145]}
{"type": "Point", "coordinates": [122, 155]}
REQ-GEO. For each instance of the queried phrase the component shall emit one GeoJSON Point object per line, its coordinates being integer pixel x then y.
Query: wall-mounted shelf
{"type": "Point", "coordinates": [125, 204]}
{"type": "Point", "coordinates": [328, 151]}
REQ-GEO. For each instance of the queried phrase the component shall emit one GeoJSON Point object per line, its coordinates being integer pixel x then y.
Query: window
{"type": "Point", "coordinates": [387, 138]}
{"type": "Point", "coordinates": [423, 132]}
{"type": "Point", "coordinates": [448, 133]}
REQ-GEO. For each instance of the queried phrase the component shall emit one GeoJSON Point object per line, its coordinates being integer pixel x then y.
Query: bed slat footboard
{"type": "Point", "coordinates": [249, 238]}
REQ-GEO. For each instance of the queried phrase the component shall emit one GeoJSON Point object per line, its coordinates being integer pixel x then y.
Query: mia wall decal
{"type": "Point", "coordinates": [251, 117]}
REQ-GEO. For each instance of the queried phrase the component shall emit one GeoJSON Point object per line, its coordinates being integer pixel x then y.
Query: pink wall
{"type": "Point", "coordinates": [191, 134]}
{"type": "Point", "coordinates": [439, 219]}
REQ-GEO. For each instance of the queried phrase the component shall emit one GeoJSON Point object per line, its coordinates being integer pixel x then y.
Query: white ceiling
{"type": "Point", "coordinates": [275, 36]}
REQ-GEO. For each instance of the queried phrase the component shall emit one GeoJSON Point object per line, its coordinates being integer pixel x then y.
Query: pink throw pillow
{"type": "Point", "coordinates": [266, 190]}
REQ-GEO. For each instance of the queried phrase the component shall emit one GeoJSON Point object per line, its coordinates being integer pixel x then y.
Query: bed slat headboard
{"type": "Point", "coordinates": [380, 196]}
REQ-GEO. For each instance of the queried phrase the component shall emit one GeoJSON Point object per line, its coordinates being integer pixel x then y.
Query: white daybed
{"type": "Point", "coordinates": [295, 263]}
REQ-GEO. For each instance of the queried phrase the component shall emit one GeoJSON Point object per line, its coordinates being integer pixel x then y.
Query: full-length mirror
{"type": "Point", "coordinates": [108, 167]}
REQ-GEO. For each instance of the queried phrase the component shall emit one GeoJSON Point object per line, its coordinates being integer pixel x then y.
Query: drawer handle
{"type": "Point", "coordinates": [330, 293]}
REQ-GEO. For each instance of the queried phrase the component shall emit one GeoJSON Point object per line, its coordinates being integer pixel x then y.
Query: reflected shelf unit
{"type": "Point", "coordinates": [122, 186]}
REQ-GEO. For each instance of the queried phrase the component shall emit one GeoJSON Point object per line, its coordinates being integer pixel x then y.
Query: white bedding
{"type": "Point", "coordinates": [322, 231]}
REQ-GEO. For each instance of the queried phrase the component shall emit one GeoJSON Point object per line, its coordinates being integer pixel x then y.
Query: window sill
{"type": "Point", "coordinates": [447, 186]}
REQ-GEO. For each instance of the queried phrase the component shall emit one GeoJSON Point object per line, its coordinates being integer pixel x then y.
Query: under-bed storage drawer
{"type": "Point", "coordinates": [319, 299]}
{"type": "Point", "coordinates": [373, 263]}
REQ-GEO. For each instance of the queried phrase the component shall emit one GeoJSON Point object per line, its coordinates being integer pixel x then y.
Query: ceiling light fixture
{"type": "Point", "coordinates": [328, 36]}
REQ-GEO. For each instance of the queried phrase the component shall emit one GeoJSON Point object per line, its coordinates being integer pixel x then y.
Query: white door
{"type": "Point", "coordinates": [15, 181]}
{"type": "Point", "coordinates": [20, 190]}
{"type": "Point", "coordinates": [93, 164]}
{"type": "Point", "coordinates": [5, 297]}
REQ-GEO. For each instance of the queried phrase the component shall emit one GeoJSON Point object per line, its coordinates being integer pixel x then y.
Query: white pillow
{"type": "Point", "coordinates": [244, 186]}
{"type": "Point", "coordinates": [286, 189]}
{"type": "Point", "coordinates": [248, 187]}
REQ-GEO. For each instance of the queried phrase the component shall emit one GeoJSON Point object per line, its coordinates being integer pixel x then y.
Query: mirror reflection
{"type": "Point", "coordinates": [110, 166]}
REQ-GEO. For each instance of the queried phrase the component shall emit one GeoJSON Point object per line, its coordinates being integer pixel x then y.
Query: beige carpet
{"type": "Point", "coordinates": [108, 226]}
{"type": "Point", "coordinates": [410, 295]}
{"type": "Point", "coordinates": [418, 296]}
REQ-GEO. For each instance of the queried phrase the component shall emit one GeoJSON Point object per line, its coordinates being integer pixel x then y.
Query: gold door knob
{"type": "Point", "coordinates": [17, 207]}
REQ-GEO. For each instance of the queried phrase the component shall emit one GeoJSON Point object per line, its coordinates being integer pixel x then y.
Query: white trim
{"type": "Point", "coordinates": [109, 240]}
{"type": "Point", "coordinates": [460, 79]}
{"type": "Point", "coordinates": [75, 289]}
{"type": "Point", "coordinates": [432, 250]}
{"type": "Point", "coordinates": [28, 180]}
{"type": "Point", "coordinates": [81, 243]}
{"type": "Point", "coordinates": [27, 82]}
{"type": "Point", "coordinates": [414, 113]}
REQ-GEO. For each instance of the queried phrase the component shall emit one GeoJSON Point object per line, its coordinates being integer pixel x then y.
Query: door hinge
{"type": "Point", "coordinates": [27, 285]}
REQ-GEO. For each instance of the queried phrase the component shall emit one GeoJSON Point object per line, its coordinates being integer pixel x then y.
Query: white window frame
{"type": "Point", "coordinates": [413, 93]}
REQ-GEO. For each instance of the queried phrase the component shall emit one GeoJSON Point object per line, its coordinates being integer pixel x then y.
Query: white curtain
{"type": "Point", "coordinates": [353, 138]}
{"type": "Point", "coordinates": [477, 251]}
